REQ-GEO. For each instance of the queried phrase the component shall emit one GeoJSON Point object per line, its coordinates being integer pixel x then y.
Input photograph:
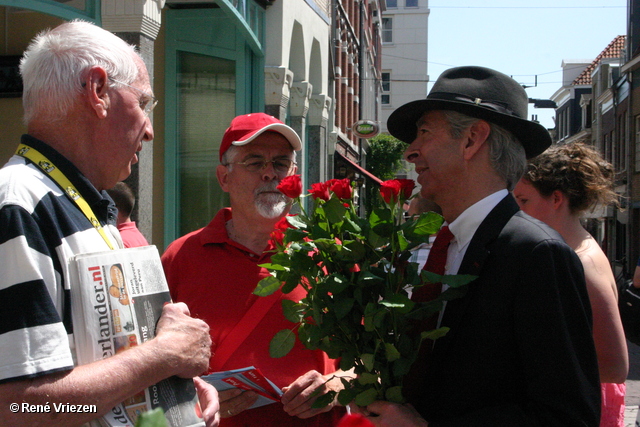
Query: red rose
{"type": "Point", "coordinates": [277, 235]}
{"type": "Point", "coordinates": [354, 420]}
{"type": "Point", "coordinates": [283, 224]}
{"type": "Point", "coordinates": [341, 187]}
{"type": "Point", "coordinates": [290, 186]}
{"type": "Point", "coordinates": [406, 186]}
{"type": "Point", "coordinates": [320, 190]}
{"type": "Point", "coordinates": [389, 190]}
{"type": "Point", "coordinates": [392, 190]}
{"type": "Point", "coordinates": [277, 238]}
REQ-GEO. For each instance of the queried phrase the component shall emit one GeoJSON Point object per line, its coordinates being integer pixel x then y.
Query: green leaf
{"type": "Point", "coordinates": [336, 283]}
{"type": "Point", "coordinates": [335, 210]}
{"type": "Point", "coordinates": [293, 311]}
{"type": "Point", "coordinates": [453, 293]}
{"type": "Point", "coordinates": [381, 222]}
{"type": "Point", "coordinates": [291, 282]}
{"type": "Point", "coordinates": [281, 258]}
{"type": "Point", "coordinates": [458, 280]}
{"type": "Point", "coordinates": [368, 378]}
{"type": "Point", "coordinates": [320, 229]}
{"type": "Point", "coordinates": [391, 352]}
{"type": "Point", "coordinates": [296, 221]}
{"type": "Point", "coordinates": [380, 216]}
{"type": "Point", "coordinates": [327, 245]}
{"type": "Point", "coordinates": [367, 397]}
{"type": "Point", "coordinates": [351, 226]}
{"type": "Point", "coordinates": [402, 366]}
{"type": "Point", "coordinates": [294, 235]}
{"type": "Point", "coordinates": [346, 362]}
{"type": "Point", "coordinates": [302, 262]}
{"type": "Point", "coordinates": [267, 286]}
{"type": "Point", "coordinates": [153, 418]}
{"type": "Point", "coordinates": [343, 306]}
{"type": "Point", "coordinates": [403, 243]}
{"type": "Point", "coordinates": [434, 334]}
{"type": "Point", "coordinates": [453, 280]}
{"type": "Point", "coordinates": [347, 396]}
{"type": "Point", "coordinates": [427, 224]}
{"type": "Point", "coordinates": [394, 394]}
{"type": "Point", "coordinates": [369, 313]}
{"type": "Point", "coordinates": [324, 400]}
{"type": "Point", "coordinates": [310, 335]}
{"type": "Point", "coordinates": [367, 278]}
{"type": "Point", "coordinates": [367, 361]}
{"type": "Point", "coordinates": [282, 343]}
{"type": "Point", "coordinates": [352, 250]}
{"type": "Point", "coordinates": [379, 318]}
{"type": "Point", "coordinates": [303, 246]}
{"type": "Point", "coordinates": [270, 266]}
{"type": "Point", "coordinates": [400, 303]}
{"type": "Point", "coordinates": [375, 240]}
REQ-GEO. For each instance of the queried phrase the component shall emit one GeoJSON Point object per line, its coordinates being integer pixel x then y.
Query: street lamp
{"type": "Point", "coordinates": [542, 103]}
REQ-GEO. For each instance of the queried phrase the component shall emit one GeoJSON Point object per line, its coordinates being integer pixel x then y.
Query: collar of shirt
{"type": "Point", "coordinates": [99, 201]}
{"type": "Point", "coordinates": [216, 233]}
{"type": "Point", "coordinates": [465, 226]}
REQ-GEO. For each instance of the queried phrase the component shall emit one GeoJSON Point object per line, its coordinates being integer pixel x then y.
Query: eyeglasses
{"type": "Point", "coordinates": [281, 166]}
{"type": "Point", "coordinates": [147, 102]}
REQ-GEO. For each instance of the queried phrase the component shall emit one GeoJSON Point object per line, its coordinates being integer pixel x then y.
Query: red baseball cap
{"type": "Point", "coordinates": [246, 128]}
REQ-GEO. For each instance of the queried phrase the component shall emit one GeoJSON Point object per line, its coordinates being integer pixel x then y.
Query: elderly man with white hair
{"type": "Point", "coordinates": [87, 97]}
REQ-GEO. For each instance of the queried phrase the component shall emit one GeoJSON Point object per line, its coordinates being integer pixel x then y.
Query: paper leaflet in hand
{"type": "Point", "coordinates": [250, 379]}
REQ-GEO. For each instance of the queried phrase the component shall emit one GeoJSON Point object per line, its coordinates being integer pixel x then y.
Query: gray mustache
{"type": "Point", "coordinates": [268, 188]}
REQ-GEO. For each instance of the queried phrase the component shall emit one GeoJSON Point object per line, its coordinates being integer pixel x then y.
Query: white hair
{"type": "Point", "coordinates": [54, 65]}
{"type": "Point", "coordinates": [506, 153]}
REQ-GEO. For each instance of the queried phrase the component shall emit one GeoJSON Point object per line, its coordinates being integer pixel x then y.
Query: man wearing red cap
{"type": "Point", "coordinates": [215, 270]}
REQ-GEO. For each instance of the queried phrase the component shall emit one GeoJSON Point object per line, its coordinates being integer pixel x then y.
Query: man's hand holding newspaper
{"type": "Point", "coordinates": [123, 302]}
{"type": "Point", "coordinates": [186, 340]}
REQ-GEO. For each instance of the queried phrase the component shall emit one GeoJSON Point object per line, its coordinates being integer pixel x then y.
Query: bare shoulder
{"type": "Point", "coordinates": [597, 269]}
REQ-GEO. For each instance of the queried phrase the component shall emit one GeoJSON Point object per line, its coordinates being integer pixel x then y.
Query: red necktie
{"type": "Point", "coordinates": [435, 264]}
{"type": "Point", "coordinates": [414, 381]}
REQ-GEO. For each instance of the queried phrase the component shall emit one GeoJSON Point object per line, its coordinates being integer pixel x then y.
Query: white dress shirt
{"type": "Point", "coordinates": [463, 229]}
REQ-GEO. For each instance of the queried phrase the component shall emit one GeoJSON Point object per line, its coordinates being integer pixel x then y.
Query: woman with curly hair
{"type": "Point", "coordinates": [559, 186]}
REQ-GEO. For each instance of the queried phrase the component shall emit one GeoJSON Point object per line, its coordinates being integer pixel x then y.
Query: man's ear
{"type": "Point", "coordinates": [558, 198]}
{"type": "Point", "coordinates": [222, 173]}
{"type": "Point", "coordinates": [476, 137]}
{"type": "Point", "coordinates": [96, 91]}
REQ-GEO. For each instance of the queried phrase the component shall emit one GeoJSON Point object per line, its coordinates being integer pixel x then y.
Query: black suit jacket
{"type": "Point", "coordinates": [520, 350]}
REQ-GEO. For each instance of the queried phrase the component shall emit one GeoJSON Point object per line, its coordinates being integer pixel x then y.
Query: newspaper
{"type": "Point", "coordinates": [119, 300]}
{"type": "Point", "coordinates": [249, 378]}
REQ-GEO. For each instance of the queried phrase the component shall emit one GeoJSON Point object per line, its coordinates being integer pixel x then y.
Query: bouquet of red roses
{"type": "Point", "coordinates": [357, 273]}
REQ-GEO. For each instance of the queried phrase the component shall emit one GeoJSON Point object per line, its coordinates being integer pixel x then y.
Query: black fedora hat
{"type": "Point", "coordinates": [477, 92]}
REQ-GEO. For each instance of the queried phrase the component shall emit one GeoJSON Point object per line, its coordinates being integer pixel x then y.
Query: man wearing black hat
{"type": "Point", "coordinates": [519, 351]}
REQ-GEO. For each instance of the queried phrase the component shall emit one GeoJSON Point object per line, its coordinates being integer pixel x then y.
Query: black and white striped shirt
{"type": "Point", "coordinates": [40, 229]}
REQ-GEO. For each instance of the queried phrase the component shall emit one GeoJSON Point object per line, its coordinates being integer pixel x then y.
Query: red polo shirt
{"type": "Point", "coordinates": [215, 276]}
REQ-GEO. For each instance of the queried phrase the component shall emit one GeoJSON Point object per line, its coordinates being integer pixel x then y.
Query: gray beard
{"type": "Point", "coordinates": [270, 205]}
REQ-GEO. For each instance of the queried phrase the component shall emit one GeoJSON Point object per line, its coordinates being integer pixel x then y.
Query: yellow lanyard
{"type": "Point", "coordinates": [59, 178]}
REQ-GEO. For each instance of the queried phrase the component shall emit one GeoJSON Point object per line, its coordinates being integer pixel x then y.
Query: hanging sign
{"type": "Point", "coordinates": [365, 129]}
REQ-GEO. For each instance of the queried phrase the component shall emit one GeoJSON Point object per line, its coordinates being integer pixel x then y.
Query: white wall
{"type": "Point", "coordinates": [406, 57]}
{"type": "Point", "coordinates": [281, 18]}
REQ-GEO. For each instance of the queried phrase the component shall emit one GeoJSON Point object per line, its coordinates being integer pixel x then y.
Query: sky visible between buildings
{"type": "Point", "coordinates": [527, 40]}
